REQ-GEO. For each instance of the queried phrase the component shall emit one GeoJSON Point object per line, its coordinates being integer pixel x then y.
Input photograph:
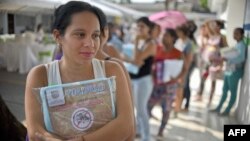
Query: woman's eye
{"type": "Point", "coordinates": [96, 36]}
{"type": "Point", "coordinates": [80, 35]}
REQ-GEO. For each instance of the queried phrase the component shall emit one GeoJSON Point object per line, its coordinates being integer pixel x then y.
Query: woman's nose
{"type": "Point", "coordinates": [89, 42]}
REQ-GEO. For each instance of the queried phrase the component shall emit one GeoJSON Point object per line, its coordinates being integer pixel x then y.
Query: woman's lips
{"type": "Point", "coordinates": [86, 54]}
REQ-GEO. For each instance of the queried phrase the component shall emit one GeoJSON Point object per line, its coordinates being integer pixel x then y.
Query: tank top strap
{"type": "Point", "coordinates": [53, 73]}
{"type": "Point", "coordinates": [99, 68]}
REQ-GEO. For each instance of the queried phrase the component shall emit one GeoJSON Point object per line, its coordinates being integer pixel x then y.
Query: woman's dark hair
{"type": "Point", "coordinates": [183, 28]}
{"type": "Point", "coordinates": [103, 18]}
{"type": "Point", "coordinates": [146, 21]}
{"type": "Point", "coordinates": [172, 33]}
{"type": "Point", "coordinates": [63, 14]}
{"type": "Point", "coordinates": [192, 27]}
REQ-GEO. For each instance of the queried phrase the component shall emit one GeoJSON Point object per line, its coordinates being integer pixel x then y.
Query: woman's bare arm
{"type": "Point", "coordinates": [36, 78]}
{"type": "Point", "coordinates": [150, 49]}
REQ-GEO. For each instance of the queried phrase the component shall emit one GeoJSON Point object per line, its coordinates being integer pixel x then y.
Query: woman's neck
{"type": "Point", "coordinates": [143, 37]}
{"type": "Point", "coordinates": [71, 71]}
{"type": "Point", "coordinates": [169, 48]}
{"type": "Point", "coordinates": [184, 38]}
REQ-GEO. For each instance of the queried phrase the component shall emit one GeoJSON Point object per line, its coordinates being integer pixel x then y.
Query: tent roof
{"type": "Point", "coordinates": [30, 7]}
{"type": "Point", "coordinates": [33, 7]}
{"type": "Point", "coordinates": [125, 10]}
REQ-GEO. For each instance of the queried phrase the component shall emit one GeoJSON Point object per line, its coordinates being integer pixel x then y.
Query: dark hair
{"type": "Point", "coordinates": [220, 23]}
{"type": "Point", "coordinates": [39, 26]}
{"type": "Point", "coordinates": [146, 21]}
{"type": "Point", "coordinates": [241, 30]}
{"type": "Point", "coordinates": [103, 18]}
{"type": "Point", "coordinates": [192, 27]}
{"type": "Point", "coordinates": [172, 33]}
{"type": "Point", "coordinates": [183, 28]}
{"type": "Point", "coordinates": [63, 14]}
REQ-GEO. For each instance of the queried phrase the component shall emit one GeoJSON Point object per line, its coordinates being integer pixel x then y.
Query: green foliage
{"type": "Point", "coordinates": [204, 3]}
{"type": "Point", "coordinates": [48, 39]}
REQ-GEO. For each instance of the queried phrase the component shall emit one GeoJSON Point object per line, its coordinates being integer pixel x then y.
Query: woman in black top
{"type": "Point", "coordinates": [145, 49]}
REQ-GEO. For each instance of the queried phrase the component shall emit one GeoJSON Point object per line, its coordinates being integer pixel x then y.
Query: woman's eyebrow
{"type": "Point", "coordinates": [82, 30]}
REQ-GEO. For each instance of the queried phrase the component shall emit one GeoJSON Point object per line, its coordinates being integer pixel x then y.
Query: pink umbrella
{"type": "Point", "coordinates": [168, 19]}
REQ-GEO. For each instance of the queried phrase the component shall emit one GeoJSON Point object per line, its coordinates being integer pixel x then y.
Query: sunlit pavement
{"type": "Point", "coordinates": [198, 124]}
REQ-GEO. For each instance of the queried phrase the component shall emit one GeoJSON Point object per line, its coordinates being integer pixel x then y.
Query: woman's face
{"type": "Point", "coordinates": [167, 40]}
{"type": "Point", "coordinates": [82, 37]}
{"type": "Point", "coordinates": [142, 29]}
{"type": "Point", "coordinates": [179, 33]}
{"type": "Point", "coordinates": [156, 31]}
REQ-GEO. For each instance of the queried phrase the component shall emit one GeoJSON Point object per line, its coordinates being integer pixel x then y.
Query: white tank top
{"type": "Point", "coordinates": [54, 77]}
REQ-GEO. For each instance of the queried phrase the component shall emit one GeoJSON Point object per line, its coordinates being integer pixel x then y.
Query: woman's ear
{"type": "Point", "coordinates": [57, 36]}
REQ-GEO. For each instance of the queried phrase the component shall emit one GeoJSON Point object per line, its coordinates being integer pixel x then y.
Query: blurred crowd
{"type": "Point", "coordinates": [147, 47]}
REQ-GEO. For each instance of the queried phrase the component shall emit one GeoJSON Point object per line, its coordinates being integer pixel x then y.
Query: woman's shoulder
{"type": "Point", "coordinates": [113, 66]}
{"type": "Point", "coordinates": [38, 73]}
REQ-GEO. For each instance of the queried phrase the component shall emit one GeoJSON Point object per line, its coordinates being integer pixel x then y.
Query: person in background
{"type": "Point", "coordinates": [114, 39]}
{"type": "Point", "coordinates": [156, 36]}
{"type": "Point", "coordinates": [184, 44]}
{"type": "Point", "coordinates": [232, 75]}
{"type": "Point", "coordinates": [80, 41]}
{"type": "Point", "coordinates": [39, 33]}
{"type": "Point", "coordinates": [202, 40]}
{"type": "Point", "coordinates": [145, 50]}
{"type": "Point", "coordinates": [191, 26]}
{"type": "Point", "coordinates": [211, 56]}
{"type": "Point", "coordinates": [165, 92]}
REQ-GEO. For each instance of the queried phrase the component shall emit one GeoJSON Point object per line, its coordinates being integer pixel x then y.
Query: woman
{"type": "Point", "coordinates": [156, 32]}
{"type": "Point", "coordinates": [80, 41]}
{"type": "Point", "coordinates": [211, 56]}
{"type": "Point", "coordinates": [185, 45]}
{"type": "Point", "coordinates": [145, 49]}
{"type": "Point", "coordinates": [234, 74]}
{"type": "Point", "coordinates": [164, 92]}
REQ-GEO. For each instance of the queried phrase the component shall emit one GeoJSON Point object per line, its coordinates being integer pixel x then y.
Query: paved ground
{"type": "Point", "coordinates": [196, 125]}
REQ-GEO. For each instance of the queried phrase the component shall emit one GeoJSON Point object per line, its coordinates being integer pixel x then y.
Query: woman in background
{"type": "Point", "coordinates": [165, 92]}
{"type": "Point", "coordinates": [145, 49]}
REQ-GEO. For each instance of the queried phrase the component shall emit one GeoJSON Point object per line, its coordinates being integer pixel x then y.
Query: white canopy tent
{"type": "Point", "coordinates": [29, 7]}
{"type": "Point", "coordinates": [107, 10]}
{"type": "Point", "coordinates": [34, 7]}
{"type": "Point", "coordinates": [29, 13]}
{"type": "Point", "coordinates": [128, 12]}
